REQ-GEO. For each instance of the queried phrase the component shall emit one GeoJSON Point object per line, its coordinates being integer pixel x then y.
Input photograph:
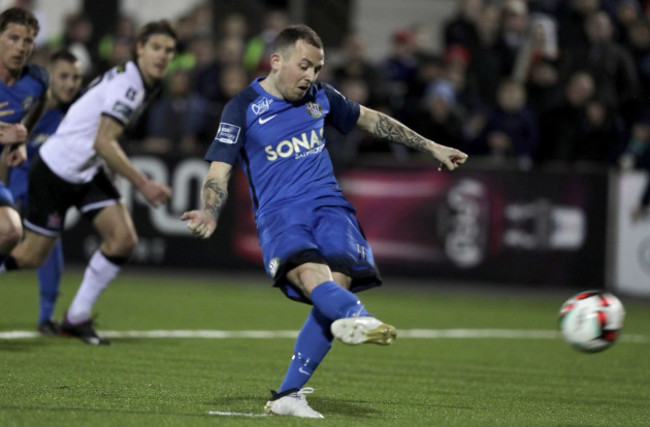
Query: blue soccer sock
{"type": "Point", "coordinates": [336, 302]}
{"type": "Point", "coordinates": [49, 279]}
{"type": "Point", "coordinates": [313, 343]}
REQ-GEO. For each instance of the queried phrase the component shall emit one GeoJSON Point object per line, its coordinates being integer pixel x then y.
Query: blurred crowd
{"type": "Point", "coordinates": [521, 84]}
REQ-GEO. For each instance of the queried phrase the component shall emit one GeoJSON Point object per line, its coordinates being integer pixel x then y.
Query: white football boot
{"type": "Point", "coordinates": [293, 404]}
{"type": "Point", "coordinates": [364, 329]}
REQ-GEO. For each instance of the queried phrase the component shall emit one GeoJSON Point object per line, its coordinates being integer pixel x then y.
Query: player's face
{"type": "Point", "coordinates": [16, 46]}
{"type": "Point", "coordinates": [154, 57]}
{"type": "Point", "coordinates": [65, 80]}
{"type": "Point", "coordinates": [298, 70]}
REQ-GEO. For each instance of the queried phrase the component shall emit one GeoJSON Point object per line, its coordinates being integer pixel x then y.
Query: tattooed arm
{"type": "Point", "coordinates": [384, 127]}
{"type": "Point", "coordinates": [202, 222]}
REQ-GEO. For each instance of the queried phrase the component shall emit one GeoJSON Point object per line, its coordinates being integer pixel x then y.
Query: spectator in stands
{"type": "Point", "coordinates": [611, 65]}
{"type": "Point", "coordinates": [513, 34]}
{"type": "Point", "coordinates": [355, 65]}
{"type": "Point", "coordinates": [572, 33]}
{"type": "Point", "coordinates": [639, 45]}
{"type": "Point", "coordinates": [176, 119]}
{"type": "Point", "coordinates": [258, 50]}
{"type": "Point", "coordinates": [627, 12]}
{"type": "Point", "coordinates": [439, 118]}
{"type": "Point", "coordinates": [485, 64]}
{"type": "Point", "coordinates": [76, 38]}
{"type": "Point", "coordinates": [400, 73]}
{"type": "Point", "coordinates": [602, 139]}
{"type": "Point", "coordinates": [536, 65]}
{"type": "Point", "coordinates": [562, 124]}
{"type": "Point", "coordinates": [511, 129]}
{"type": "Point", "coordinates": [540, 46]}
{"type": "Point", "coordinates": [112, 46]}
{"type": "Point", "coordinates": [462, 29]}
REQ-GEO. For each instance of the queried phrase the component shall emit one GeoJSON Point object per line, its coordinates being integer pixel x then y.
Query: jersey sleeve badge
{"type": "Point", "coordinates": [227, 133]}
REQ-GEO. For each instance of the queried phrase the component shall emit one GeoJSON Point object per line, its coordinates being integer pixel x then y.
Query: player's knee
{"type": "Point", "coordinates": [122, 244]}
{"type": "Point", "coordinates": [10, 236]}
{"type": "Point", "coordinates": [29, 259]}
{"type": "Point", "coordinates": [309, 275]}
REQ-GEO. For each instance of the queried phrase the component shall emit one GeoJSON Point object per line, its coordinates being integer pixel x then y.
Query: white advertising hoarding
{"type": "Point", "coordinates": [632, 238]}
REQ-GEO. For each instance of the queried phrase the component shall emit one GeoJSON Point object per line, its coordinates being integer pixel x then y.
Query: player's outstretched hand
{"type": "Point", "coordinates": [450, 157]}
{"type": "Point", "coordinates": [200, 223]}
{"type": "Point", "coordinates": [155, 192]}
{"type": "Point", "coordinates": [12, 133]}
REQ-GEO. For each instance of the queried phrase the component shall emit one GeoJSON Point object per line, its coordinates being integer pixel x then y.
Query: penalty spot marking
{"type": "Point", "coordinates": [401, 334]}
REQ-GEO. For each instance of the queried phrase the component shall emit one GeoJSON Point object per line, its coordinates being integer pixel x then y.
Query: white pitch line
{"type": "Point", "coordinates": [237, 414]}
{"type": "Point", "coordinates": [402, 333]}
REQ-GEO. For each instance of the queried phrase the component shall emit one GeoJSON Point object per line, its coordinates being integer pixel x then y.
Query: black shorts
{"type": "Point", "coordinates": [49, 197]}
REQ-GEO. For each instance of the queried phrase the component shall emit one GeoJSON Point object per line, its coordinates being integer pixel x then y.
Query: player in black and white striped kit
{"type": "Point", "coordinates": [70, 172]}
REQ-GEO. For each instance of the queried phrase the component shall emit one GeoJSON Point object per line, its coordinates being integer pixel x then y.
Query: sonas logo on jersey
{"type": "Point", "coordinates": [261, 106]}
{"type": "Point", "coordinates": [301, 146]}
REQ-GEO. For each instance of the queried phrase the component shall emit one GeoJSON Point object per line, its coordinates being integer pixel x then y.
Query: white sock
{"type": "Point", "coordinates": [99, 273]}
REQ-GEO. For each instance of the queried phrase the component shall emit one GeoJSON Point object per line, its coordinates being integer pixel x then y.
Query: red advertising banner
{"type": "Point", "coordinates": [479, 225]}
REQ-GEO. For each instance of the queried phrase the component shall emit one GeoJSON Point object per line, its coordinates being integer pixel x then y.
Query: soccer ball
{"type": "Point", "coordinates": [592, 320]}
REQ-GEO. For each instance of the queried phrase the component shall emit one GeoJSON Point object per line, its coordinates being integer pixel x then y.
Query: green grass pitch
{"type": "Point", "coordinates": [140, 381]}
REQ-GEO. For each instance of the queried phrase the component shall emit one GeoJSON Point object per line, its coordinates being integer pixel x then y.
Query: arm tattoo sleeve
{"type": "Point", "coordinates": [391, 130]}
{"type": "Point", "coordinates": [214, 197]}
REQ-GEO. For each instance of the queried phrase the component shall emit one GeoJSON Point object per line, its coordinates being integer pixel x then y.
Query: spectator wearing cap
{"type": "Point", "coordinates": [439, 118]}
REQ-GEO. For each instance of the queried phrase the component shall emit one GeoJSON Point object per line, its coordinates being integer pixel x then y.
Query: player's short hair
{"type": "Point", "coordinates": [63, 55]}
{"type": "Point", "coordinates": [155, 27]}
{"type": "Point", "coordinates": [291, 34]}
{"type": "Point", "coordinates": [16, 15]}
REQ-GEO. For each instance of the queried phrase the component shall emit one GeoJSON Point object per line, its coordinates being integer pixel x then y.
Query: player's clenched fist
{"type": "Point", "coordinates": [450, 157]}
{"type": "Point", "coordinates": [200, 223]}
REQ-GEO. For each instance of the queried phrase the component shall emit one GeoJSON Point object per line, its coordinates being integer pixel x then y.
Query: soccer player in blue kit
{"type": "Point", "coordinates": [23, 92]}
{"type": "Point", "coordinates": [65, 82]}
{"type": "Point", "coordinates": [312, 244]}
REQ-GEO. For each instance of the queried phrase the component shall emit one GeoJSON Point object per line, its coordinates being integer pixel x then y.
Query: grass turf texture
{"type": "Point", "coordinates": [176, 382]}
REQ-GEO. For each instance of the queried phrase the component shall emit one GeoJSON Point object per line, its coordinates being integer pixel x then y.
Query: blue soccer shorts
{"type": "Point", "coordinates": [331, 235]}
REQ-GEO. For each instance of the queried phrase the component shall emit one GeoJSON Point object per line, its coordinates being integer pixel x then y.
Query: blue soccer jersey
{"type": "Point", "coordinates": [46, 126]}
{"type": "Point", "coordinates": [21, 97]}
{"type": "Point", "coordinates": [300, 210]}
{"type": "Point", "coordinates": [281, 144]}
